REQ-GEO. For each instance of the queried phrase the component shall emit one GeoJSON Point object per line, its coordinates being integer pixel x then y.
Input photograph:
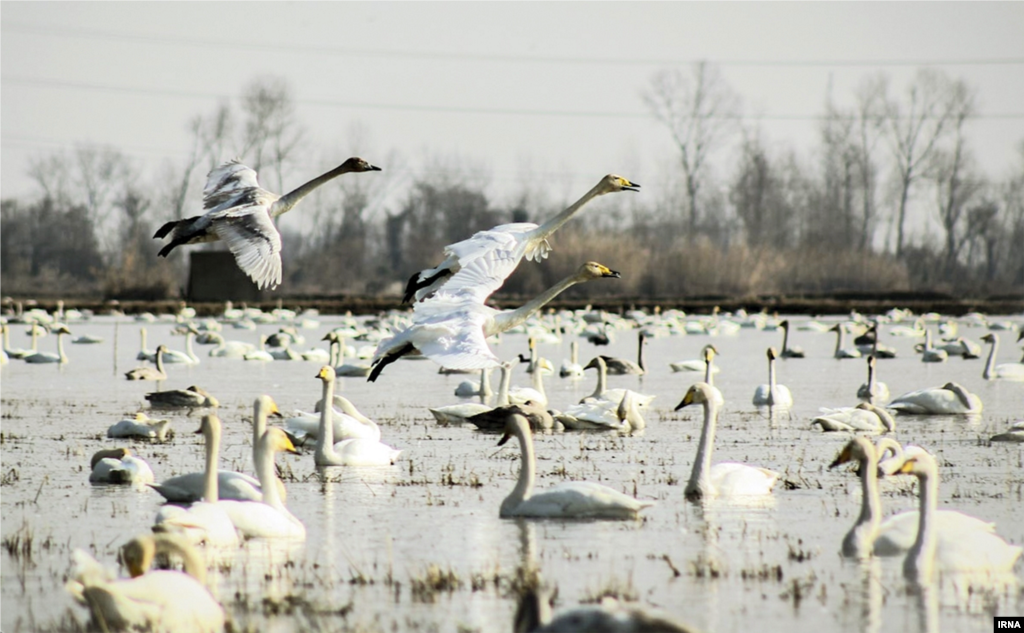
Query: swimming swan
{"type": "Point", "coordinates": [696, 364]}
{"type": "Point", "coordinates": [725, 479]}
{"type": "Point", "coordinates": [349, 452]}
{"type": "Point", "coordinates": [571, 368]}
{"type": "Point", "coordinates": [150, 373]}
{"type": "Point", "coordinates": [567, 500]}
{"type": "Point", "coordinates": [981, 551]}
{"type": "Point", "coordinates": [533, 615]}
{"type": "Point", "coordinates": [787, 351]}
{"type": "Point", "coordinates": [771, 394]}
{"type": "Point", "coordinates": [347, 424]}
{"type": "Point", "coordinates": [486, 259]}
{"type": "Point", "coordinates": [949, 398]}
{"type": "Point", "coordinates": [1005, 371]}
{"type": "Point", "coordinates": [841, 351]}
{"type": "Point", "coordinates": [452, 327]}
{"type": "Point", "coordinates": [49, 357]}
{"type": "Point", "coordinates": [161, 601]}
{"type": "Point", "coordinates": [242, 214]}
{"type": "Point", "coordinates": [873, 391]}
{"type": "Point", "coordinates": [604, 396]}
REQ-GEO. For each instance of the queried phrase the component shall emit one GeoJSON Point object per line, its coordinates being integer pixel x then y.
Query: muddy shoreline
{"type": "Point", "coordinates": [838, 303]}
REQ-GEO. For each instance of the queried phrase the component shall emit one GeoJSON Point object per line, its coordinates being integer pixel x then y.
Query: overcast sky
{"type": "Point", "coordinates": [543, 91]}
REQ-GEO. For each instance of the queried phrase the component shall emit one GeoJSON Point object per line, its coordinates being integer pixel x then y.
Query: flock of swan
{"type": "Point", "coordinates": [450, 324]}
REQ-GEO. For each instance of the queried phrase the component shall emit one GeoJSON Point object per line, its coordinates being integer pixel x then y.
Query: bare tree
{"type": "Point", "coordinates": [914, 127]}
{"type": "Point", "coordinates": [700, 112]}
{"type": "Point", "coordinates": [272, 132]}
{"type": "Point", "coordinates": [867, 129]}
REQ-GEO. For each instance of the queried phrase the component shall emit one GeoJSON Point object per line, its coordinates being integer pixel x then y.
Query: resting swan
{"type": "Point", "coordinates": [242, 213]}
{"type": "Point", "coordinates": [1005, 371]}
{"type": "Point", "coordinates": [141, 426]}
{"type": "Point", "coordinates": [337, 358]}
{"type": "Point", "coordinates": [896, 535]}
{"type": "Point", "coordinates": [535, 392]}
{"type": "Point", "coordinates": [567, 500]}
{"type": "Point", "coordinates": [699, 364]}
{"type": "Point", "coordinates": [771, 394]}
{"type": "Point", "coordinates": [949, 398]}
{"type": "Point", "coordinates": [863, 417]}
{"type": "Point", "coordinates": [981, 551]}
{"type": "Point", "coordinates": [452, 327]}
{"type": "Point", "coordinates": [119, 466]}
{"type": "Point", "coordinates": [725, 479]}
{"type": "Point", "coordinates": [349, 452]}
{"type": "Point", "coordinates": [161, 601]}
{"type": "Point", "coordinates": [150, 373]}
{"type": "Point", "coordinates": [487, 258]}
{"type": "Point", "coordinates": [187, 398]}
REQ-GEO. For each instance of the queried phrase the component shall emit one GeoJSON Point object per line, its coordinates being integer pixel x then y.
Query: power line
{"type": "Point", "coordinates": [263, 46]}
{"type": "Point", "coordinates": [441, 109]}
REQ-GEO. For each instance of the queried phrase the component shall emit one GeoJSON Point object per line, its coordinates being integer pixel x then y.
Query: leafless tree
{"type": "Point", "coordinates": [271, 131]}
{"type": "Point", "coordinates": [700, 112]}
{"type": "Point", "coordinates": [914, 126]}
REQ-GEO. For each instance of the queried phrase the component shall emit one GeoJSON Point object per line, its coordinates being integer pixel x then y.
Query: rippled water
{"type": "Point", "coordinates": [419, 546]}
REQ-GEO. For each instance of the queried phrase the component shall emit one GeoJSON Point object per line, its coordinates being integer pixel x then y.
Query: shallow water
{"type": "Point", "coordinates": [419, 546]}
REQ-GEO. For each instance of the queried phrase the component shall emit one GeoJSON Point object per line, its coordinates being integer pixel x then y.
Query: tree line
{"type": "Point", "coordinates": [774, 223]}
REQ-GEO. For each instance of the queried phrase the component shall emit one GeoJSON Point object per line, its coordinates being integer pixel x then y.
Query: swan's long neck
{"type": "Point", "coordinates": [160, 362]}
{"type": "Point", "coordinates": [870, 503]}
{"type": "Point", "coordinates": [267, 476]}
{"type": "Point", "coordinates": [871, 382]}
{"type": "Point", "coordinates": [259, 426]}
{"type": "Point", "coordinates": [785, 338]}
{"type": "Point", "coordinates": [506, 384]}
{"type": "Point", "coordinates": [991, 362]}
{"type": "Point", "coordinates": [708, 370]}
{"type": "Point", "coordinates": [839, 340]}
{"type": "Point", "coordinates": [485, 383]}
{"type": "Point", "coordinates": [210, 491]}
{"type": "Point", "coordinates": [35, 337]}
{"type": "Point", "coordinates": [552, 225]}
{"type": "Point", "coordinates": [700, 484]}
{"type": "Point", "coordinates": [640, 353]}
{"type": "Point", "coordinates": [332, 353]}
{"type": "Point", "coordinates": [538, 381]}
{"type": "Point", "coordinates": [921, 556]}
{"type": "Point", "coordinates": [602, 380]}
{"type": "Point", "coordinates": [509, 319]}
{"type": "Point", "coordinates": [771, 380]}
{"type": "Point", "coordinates": [527, 470]}
{"type": "Point", "coordinates": [188, 347]}
{"type": "Point", "coordinates": [60, 347]}
{"type": "Point", "coordinates": [324, 451]}
{"type": "Point", "coordinates": [288, 201]}
{"type": "Point", "coordinates": [574, 352]}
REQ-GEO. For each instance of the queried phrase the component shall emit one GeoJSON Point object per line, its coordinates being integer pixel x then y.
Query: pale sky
{"type": "Point", "coordinates": [543, 93]}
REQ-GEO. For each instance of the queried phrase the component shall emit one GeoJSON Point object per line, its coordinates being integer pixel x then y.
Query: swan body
{"type": "Point", "coordinates": [864, 417]}
{"type": "Point", "coordinates": [470, 388]}
{"type": "Point", "coordinates": [141, 426]}
{"type": "Point", "coordinates": [350, 452]}
{"type": "Point", "coordinates": [536, 392]}
{"type": "Point", "coordinates": [119, 466]}
{"type": "Point", "coordinates": [87, 339]}
{"type": "Point", "coordinates": [873, 391]}
{"type": "Point", "coordinates": [189, 488]}
{"type": "Point", "coordinates": [452, 327]}
{"type": "Point", "coordinates": [160, 601]}
{"type": "Point", "coordinates": [539, 418]}
{"type": "Point", "coordinates": [841, 351]}
{"type": "Point", "coordinates": [604, 396]}
{"type": "Point", "coordinates": [771, 394]}
{"type": "Point", "coordinates": [1005, 371]}
{"type": "Point", "coordinates": [931, 354]}
{"type": "Point", "coordinates": [697, 364]}
{"type": "Point", "coordinates": [622, 366]}
{"type": "Point", "coordinates": [49, 357]}
{"type": "Point", "coordinates": [260, 354]}
{"type": "Point", "coordinates": [346, 426]}
{"type": "Point", "coordinates": [487, 258]}
{"type": "Point", "coordinates": [975, 551]}
{"type": "Point", "coordinates": [725, 479]}
{"type": "Point", "coordinates": [787, 351]}
{"type": "Point", "coordinates": [150, 373]}
{"type": "Point", "coordinates": [949, 398]}
{"type": "Point", "coordinates": [571, 367]}
{"type": "Point", "coordinates": [188, 398]}
{"type": "Point", "coordinates": [188, 357]}
{"type": "Point", "coordinates": [229, 349]}
{"type": "Point", "coordinates": [567, 500]}
{"type": "Point", "coordinates": [241, 213]}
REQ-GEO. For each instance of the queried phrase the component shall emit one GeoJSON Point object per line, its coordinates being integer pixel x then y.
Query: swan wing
{"type": "Point", "coordinates": [255, 519]}
{"type": "Point", "coordinates": [734, 479]}
{"type": "Point", "coordinates": [581, 499]}
{"type": "Point", "coordinates": [254, 241]}
{"type": "Point", "coordinates": [227, 183]}
{"type": "Point", "coordinates": [487, 259]}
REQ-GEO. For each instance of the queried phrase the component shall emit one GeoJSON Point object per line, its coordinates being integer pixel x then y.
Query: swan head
{"type": "Point", "coordinates": [698, 393]}
{"type": "Point", "coordinates": [277, 441]}
{"type": "Point", "coordinates": [919, 463]}
{"type": "Point", "coordinates": [326, 374]}
{"type": "Point", "coordinates": [859, 449]}
{"type": "Point", "coordinates": [593, 270]}
{"type": "Point", "coordinates": [871, 361]}
{"type": "Point", "coordinates": [210, 426]}
{"type": "Point", "coordinates": [112, 453]}
{"type": "Point", "coordinates": [515, 424]}
{"type": "Point", "coordinates": [836, 328]}
{"type": "Point", "coordinates": [162, 349]}
{"type": "Point", "coordinates": [265, 405]}
{"type": "Point", "coordinates": [61, 329]}
{"type": "Point", "coordinates": [209, 401]}
{"type": "Point", "coordinates": [709, 352]}
{"type": "Point", "coordinates": [772, 354]}
{"type": "Point", "coordinates": [990, 338]}
{"type": "Point", "coordinates": [138, 554]}
{"type": "Point", "coordinates": [784, 324]}
{"type": "Point", "coordinates": [961, 393]}
{"type": "Point", "coordinates": [545, 366]}
{"type": "Point", "coordinates": [595, 363]}
{"type": "Point", "coordinates": [356, 164]}
{"type": "Point", "coordinates": [612, 183]}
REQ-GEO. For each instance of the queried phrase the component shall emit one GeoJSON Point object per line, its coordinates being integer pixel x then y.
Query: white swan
{"type": "Point", "coordinates": [470, 388]}
{"type": "Point", "coordinates": [150, 373]}
{"type": "Point", "coordinates": [567, 500]}
{"type": "Point", "coordinates": [976, 551]}
{"type": "Point", "coordinates": [709, 375]}
{"type": "Point", "coordinates": [605, 415]}
{"type": "Point", "coordinates": [18, 352]}
{"type": "Point", "coordinates": [771, 394]}
{"type": "Point", "coordinates": [242, 214]}
{"type": "Point", "coordinates": [868, 344]}
{"type": "Point", "coordinates": [188, 357]}
{"type": "Point", "coordinates": [725, 479]}
{"type": "Point", "coordinates": [119, 466]}
{"type": "Point", "coordinates": [699, 364]}
{"type": "Point", "coordinates": [349, 452]}
{"type": "Point", "coordinates": [260, 354]}
{"type": "Point", "coordinates": [188, 398]}
{"type": "Point", "coordinates": [452, 327]}
{"type": "Point", "coordinates": [49, 357]}
{"type": "Point", "coordinates": [161, 601]}
{"type": "Point", "coordinates": [229, 349]}
{"type": "Point", "coordinates": [863, 417]}
{"type": "Point", "coordinates": [931, 354]}
{"type": "Point", "coordinates": [487, 258]}
{"type": "Point", "coordinates": [571, 367]}
{"type": "Point", "coordinates": [346, 424]}
{"type": "Point", "coordinates": [337, 357]}
{"type": "Point", "coordinates": [461, 412]}
{"type": "Point", "coordinates": [896, 535]}
{"type": "Point", "coordinates": [841, 351]}
{"type": "Point", "coordinates": [535, 392]}
{"type": "Point", "coordinates": [949, 398]}
{"type": "Point", "coordinates": [144, 352]}
{"type": "Point", "coordinates": [787, 351]}
{"type": "Point", "coordinates": [141, 426]}
{"type": "Point", "coordinates": [603, 395]}
{"type": "Point", "coordinates": [873, 391]}
{"type": "Point", "coordinates": [1005, 371]}
{"type": "Point", "coordinates": [622, 366]}
{"type": "Point", "coordinates": [204, 521]}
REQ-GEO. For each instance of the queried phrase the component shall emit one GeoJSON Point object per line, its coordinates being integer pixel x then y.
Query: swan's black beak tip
{"type": "Point", "coordinates": [613, 274]}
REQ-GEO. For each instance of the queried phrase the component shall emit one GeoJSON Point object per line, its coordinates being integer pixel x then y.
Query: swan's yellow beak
{"type": "Point", "coordinates": [628, 186]}
{"type": "Point", "coordinates": [688, 399]}
{"type": "Point", "coordinates": [608, 272]}
{"type": "Point", "coordinates": [843, 457]}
